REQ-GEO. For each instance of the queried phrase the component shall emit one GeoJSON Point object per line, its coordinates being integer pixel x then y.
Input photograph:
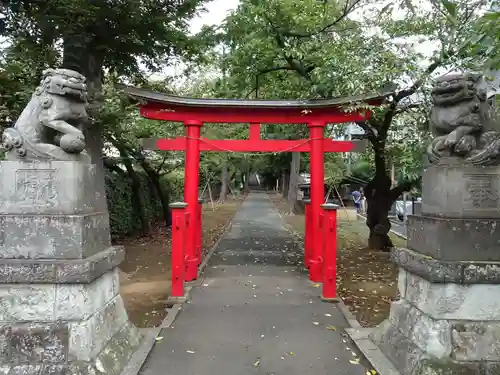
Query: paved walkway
{"type": "Point", "coordinates": [254, 311]}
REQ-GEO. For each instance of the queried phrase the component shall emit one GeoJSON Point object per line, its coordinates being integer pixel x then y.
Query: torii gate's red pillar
{"type": "Point", "coordinates": [316, 134]}
{"type": "Point", "coordinates": [191, 182]}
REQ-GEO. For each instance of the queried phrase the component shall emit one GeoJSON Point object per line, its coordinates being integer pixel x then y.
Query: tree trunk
{"type": "Point", "coordinates": [79, 55]}
{"type": "Point", "coordinates": [224, 178]}
{"type": "Point", "coordinates": [162, 194]}
{"type": "Point", "coordinates": [285, 184]}
{"type": "Point", "coordinates": [380, 198]}
{"type": "Point", "coordinates": [245, 182]}
{"type": "Point", "coordinates": [293, 184]}
{"type": "Point", "coordinates": [137, 197]}
{"type": "Point", "coordinates": [377, 212]}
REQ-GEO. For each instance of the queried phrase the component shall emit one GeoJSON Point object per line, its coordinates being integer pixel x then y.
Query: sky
{"type": "Point", "coordinates": [217, 10]}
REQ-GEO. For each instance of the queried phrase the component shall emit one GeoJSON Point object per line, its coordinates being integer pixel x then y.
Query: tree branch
{"type": "Point", "coordinates": [274, 69]}
{"type": "Point", "coordinates": [404, 186]}
{"type": "Point", "coordinates": [419, 82]}
{"type": "Point", "coordinates": [111, 164]}
{"type": "Point", "coordinates": [348, 8]}
{"type": "Point", "coordinates": [160, 166]}
{"type": "Point", "coordinates": [392, 111]}
{"type": "Point", "coordinates": [173, 167]}
{"type": "Point", "coordinates": [408, 107]}
{"type": "Point", "coordinates": [292, 62]}
{"type": "Point", "coordinates": [370, 132]}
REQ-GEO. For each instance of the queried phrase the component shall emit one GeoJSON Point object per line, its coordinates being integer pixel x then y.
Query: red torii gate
{"type": "Point", "coordinates": [186, 224]}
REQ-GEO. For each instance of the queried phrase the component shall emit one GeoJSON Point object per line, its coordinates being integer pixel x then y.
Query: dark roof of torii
{"type": "Point", "coordinates": [161, 98]}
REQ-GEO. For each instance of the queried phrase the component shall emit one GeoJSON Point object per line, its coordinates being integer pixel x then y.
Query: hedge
{"type": "Point", "coordinates": [119, 195]}
{"type": "Point", "coordinates": [121, 213]}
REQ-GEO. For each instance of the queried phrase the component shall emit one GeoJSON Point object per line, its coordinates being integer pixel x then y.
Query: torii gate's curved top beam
{"type": "Point", "coordinates": [160, 106]}
{"type": "Point", "coordinates": [161, 98]}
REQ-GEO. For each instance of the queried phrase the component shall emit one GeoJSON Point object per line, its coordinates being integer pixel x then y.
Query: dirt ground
{"type": "Point", "coordinates": [367, 280]}
{"type": "Point", "coordinates": [145, 273]}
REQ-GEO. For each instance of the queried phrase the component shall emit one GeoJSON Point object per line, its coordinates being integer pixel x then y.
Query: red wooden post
{"type": "Point", "coordinates": [307, 237]}
{"type": "Point", "coordinates": [191, 181]}
{"type": "Point", "coordinates": [254, 133]}
{"type": "Point", "coordinates": [317, 197]}
{"type": "Point", "coordinates": [178, 243]}
{"type": "Point", "coordinates": [329, 293]}
{"type": "Point", "coordinates": [199, 235]}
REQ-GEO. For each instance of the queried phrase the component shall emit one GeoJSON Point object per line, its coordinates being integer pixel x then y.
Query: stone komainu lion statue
{"type": "Point", "coordinates": [49, 128]}
{"type": "Point", "coordinates": [462, 121]}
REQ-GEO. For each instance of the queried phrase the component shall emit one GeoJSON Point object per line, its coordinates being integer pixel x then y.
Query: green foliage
{"type": "Point", "coordinates": [482, 47]}
{"type": "Point", "coordinates": [174, 180]}
{"type": "Point", "coordinates": [123, 220]}
{"type": "Point", "coordinates": [20, 72]}
{"type": "Point", "coordinates": [283, 49]}
{"type": "Point", "coordinates": [119, 34]}
{"type": "Point", "coordinates": [118, 37]}
{"type": "Point", "coordinates": [362, 170]}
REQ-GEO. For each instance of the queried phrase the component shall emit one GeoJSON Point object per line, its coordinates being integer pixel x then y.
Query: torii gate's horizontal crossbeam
{"type": "Point", "coordinates": [255, 115]}
{"type": "Point", "coordinates": [253, 145]}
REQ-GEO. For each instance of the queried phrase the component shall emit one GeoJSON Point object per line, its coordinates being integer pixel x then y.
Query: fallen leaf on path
{"type": "Point", "coordinates": [331, 328]}
{"type": "Point", "coordinates": [354, 361]}
{"type": "Point", "coordinates": [316, 323]}
{"type": "Point", "coordinates": [159, 338]}
{"type": "Point", "coordinates": [190, 351]}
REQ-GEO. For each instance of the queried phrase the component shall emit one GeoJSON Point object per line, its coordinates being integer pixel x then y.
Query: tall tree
{"type": "Point", "coordinates": [122, 37]}
{"type": "Point", "coordinates": [312, 49]}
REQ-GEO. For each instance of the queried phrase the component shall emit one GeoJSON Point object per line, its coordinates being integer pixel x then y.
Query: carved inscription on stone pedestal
{"type": "Point", "coordinates": [481, 191]}
{"type": "Point", "coordinates": [35, 187]}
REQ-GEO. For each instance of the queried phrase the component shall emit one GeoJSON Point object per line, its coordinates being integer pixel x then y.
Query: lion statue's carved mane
{"type": "Point", "coordinates": [463, 123]}
{"type": "Point", "coordinates": [49, 128]}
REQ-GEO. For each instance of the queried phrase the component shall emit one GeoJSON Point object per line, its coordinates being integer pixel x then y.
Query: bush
{"type": "Point", "coordinates": [175, 183]}
{"type": "Point", "coordinates": [123, 220]}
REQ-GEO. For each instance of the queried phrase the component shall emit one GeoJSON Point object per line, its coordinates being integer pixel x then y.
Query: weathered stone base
{"type": "Point", "coordinates": [455, 239]}
{"type": "Point", "coordinates": [65, 328]}
{"type": "Point", "coordinates": [111, 360]}
{"type": "Point", "coordinates": [49, 188]}
{"type": "Point", "coordinates": [439, 271]}
{"type": "Point", "coordinates": [442, 329]}
{"type": "Point", "coordinates": [457, 190]}
{"type": "Point", "coordinates": [44, 236]}
{"type": "Point", "coordinates": [61, 271]}
{"type": "Point", "coordinates": [61, 312]}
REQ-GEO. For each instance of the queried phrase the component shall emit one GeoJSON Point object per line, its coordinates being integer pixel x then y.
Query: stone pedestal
{"type": "Point", "coordinates": [447, 320]}
{"type": "Point", "coordinates": [60, 306]}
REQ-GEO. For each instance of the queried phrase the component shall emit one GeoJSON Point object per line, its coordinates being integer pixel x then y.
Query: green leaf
{"type": "Point", "coordinates": [450, 7]}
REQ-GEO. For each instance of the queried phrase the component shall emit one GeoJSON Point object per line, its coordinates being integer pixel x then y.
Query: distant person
{"type": "Point", "coordinates": [356, 197]}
